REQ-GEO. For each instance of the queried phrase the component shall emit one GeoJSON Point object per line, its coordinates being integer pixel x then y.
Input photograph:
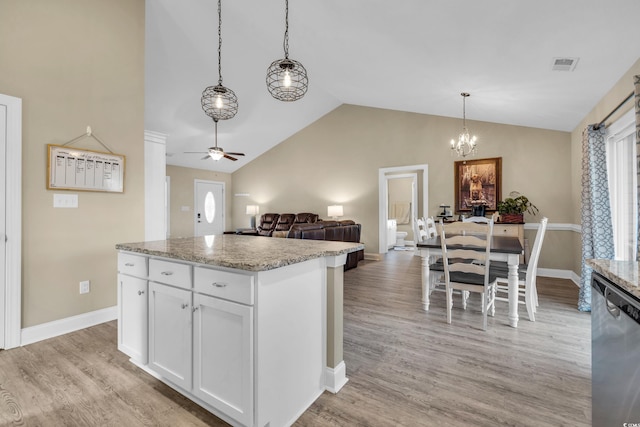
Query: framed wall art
{"type": "Point", "coordinates": [477, 182]}
{"type": "Point", "coordinates": [75, 169]}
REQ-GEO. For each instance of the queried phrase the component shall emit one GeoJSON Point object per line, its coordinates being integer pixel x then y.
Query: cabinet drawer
{"type": "Point", "coordinates": [171, 273]}
{"type": "Point", "coordinates": [223, 284]}
{"type": "Point", "coordinates": [508, 231]}
{"type": "Point", "coordinates": [132, 265]}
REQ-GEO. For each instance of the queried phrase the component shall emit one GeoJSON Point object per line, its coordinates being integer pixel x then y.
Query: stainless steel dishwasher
{"type": "Point", "coordinates": [615, 355]}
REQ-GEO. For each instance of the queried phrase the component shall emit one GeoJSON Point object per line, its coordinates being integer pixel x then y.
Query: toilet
{"type": "Point", "coordinates": [400, 236]}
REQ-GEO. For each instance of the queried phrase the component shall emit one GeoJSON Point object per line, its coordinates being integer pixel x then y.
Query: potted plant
{"type": "Point", "coordinates": [512, 208]}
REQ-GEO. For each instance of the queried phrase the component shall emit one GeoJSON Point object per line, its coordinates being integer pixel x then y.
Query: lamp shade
{"type": "Point", "coordinates": [334, 211]}
{"type": "Point", "coordinates": [252, 210]}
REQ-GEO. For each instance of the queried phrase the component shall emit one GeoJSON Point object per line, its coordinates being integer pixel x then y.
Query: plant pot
{"type": "Point", "coordinates": [512, 218]}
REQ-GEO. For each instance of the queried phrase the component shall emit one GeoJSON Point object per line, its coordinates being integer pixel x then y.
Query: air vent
{"type": "Point", "coordinates": [564, 64]}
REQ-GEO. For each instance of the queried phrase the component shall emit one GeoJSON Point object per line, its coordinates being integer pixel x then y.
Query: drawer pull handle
{"type": "Point", "coordinates": [185, 306]}
{"type": "Point", "coordinates": [194, 309]}
{"type": "Point", "coordinates": [129, 264]}
{"type": "Point", "coordinates": [219, 285]}
{"type": "Point", "coordinates": [167, 273]}
{"type": "Point", "coordinates": [140, 292]}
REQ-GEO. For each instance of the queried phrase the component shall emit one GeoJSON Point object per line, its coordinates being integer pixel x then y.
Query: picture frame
{"type": "Point", "coordinates": [477, 182]}
{"type": "Point", "coordinates": [76, 169]}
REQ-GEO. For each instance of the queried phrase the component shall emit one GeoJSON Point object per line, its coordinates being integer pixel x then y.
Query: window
{"type": "Point", "coordinates": [622, 174]}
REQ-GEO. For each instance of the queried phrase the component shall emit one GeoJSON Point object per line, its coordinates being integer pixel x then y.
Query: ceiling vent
{"type": "Point", "coordinates": [564, 64]}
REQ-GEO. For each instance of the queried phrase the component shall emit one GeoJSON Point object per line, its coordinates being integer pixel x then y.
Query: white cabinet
{"type": "Point", "coordinates": [196, 328]}
{"type": "Point", "coordinates": [170, 339]}
{"type": "Point", "coordinates": [223, 356]}
{"type": "Point", "coordinates": [132, 306]}
{"type": "Point", "coordinates": [132, 317]}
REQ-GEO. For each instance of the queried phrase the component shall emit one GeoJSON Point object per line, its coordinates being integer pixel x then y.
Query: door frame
{"type": "Point", "coordinates": [13, 206]}
{"type": "Point", "coordinates": [195, 193]}
{"type": "Point", "coordinates": [384, 174]}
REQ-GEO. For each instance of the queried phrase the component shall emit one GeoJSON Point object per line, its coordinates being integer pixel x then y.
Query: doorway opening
{"type": "Point", "coordinates": [419, 204]}
{"type": "Point", "coordinates": [11, 221]}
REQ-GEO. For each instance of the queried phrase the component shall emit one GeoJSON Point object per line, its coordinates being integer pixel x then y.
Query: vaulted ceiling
{"type": "Point", "coordinates": [408, 55]}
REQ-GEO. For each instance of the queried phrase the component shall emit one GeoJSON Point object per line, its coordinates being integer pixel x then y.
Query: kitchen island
{"type": "Point", "coordinates": [248, 327]}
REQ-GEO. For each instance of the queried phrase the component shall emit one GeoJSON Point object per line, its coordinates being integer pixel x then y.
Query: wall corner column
{"type": "Point", "coordinates": [335, 376]}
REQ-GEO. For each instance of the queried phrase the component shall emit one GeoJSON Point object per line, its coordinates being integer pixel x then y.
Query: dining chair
{"type": "Point", "coordinates": [527, 291]}
{"type": "Point", "coordinates": [465, 256]}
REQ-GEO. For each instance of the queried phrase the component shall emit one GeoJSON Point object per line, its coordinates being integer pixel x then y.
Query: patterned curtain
{"type": "Point", "coordinates": [597, 230]}
{"type": "Point", "coordinates": [636, 102]}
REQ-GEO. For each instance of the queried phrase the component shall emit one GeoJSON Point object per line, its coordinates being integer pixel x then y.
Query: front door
{"type": "Point", "coordinates": [209, 208]}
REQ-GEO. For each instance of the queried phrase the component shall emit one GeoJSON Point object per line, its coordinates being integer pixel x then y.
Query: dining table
{"type": "Point", "coordinates": [503, 248]}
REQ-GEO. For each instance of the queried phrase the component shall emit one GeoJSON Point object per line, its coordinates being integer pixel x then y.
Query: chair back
{"type": "Point", "coordinates": [532, 266]}
{"type": "Point", "coordinates": [430, 225]}
{"type": "Point", "coordinates": [466, 250]}
{"type": "Point", "coordinates": [420, 230]}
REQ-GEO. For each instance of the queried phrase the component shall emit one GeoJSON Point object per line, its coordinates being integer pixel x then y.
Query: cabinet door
{"type": "Point", "coordinates": [223, 359]}
{"type": "Point", "coordinates": [132, 317]}
{"type": "Point", "coordinates": [170, 333]}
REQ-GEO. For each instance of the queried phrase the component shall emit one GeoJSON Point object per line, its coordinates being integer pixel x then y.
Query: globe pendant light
{"type": "Point", "coordinates": [466, 144]}
{"type": "Point", "coordinates": [286, 78]}
{"type": "Point", "coordinates": [219, 102]}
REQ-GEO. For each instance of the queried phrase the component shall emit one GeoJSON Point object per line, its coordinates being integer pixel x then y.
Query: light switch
{"type": "Point", "coordinates": [65, 200]}
{"type": "Point", "coordinates": [184, 208]}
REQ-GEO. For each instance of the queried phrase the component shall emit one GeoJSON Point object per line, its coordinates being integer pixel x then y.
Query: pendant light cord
{"type": "Point", "coordinates": [219, 42]}
{"type": "Point", "coordinates": [286, 29]}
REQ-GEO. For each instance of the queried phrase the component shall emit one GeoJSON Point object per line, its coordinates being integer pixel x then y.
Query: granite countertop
{"type": "Point", "coordinates": [625, 274]}
{"type": "Point", "coordinates": [251, 253]}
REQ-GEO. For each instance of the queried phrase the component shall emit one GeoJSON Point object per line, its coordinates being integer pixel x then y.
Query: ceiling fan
{"type": "Point", "coordinates": [216, 153]}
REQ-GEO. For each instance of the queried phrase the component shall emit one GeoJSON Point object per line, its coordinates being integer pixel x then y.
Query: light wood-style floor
{"type": "Point", "coordinates": [406, 367]}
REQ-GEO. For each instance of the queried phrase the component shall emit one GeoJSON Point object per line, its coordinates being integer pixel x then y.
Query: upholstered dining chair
{"type": "Point", "coordinates": [527, 292]}
{"type": "Point", "coordinates": [465, 256]}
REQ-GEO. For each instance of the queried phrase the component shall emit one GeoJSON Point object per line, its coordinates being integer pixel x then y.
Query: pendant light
{"type": "Point", "coordinates": [286, 78]}
{"type": "Point", "coordinates": [219, 102]}
{"type": "Point", "coordinates": [466, 144]}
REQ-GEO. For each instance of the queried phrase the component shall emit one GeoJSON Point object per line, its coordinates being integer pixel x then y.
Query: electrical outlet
{"type": "Point", "coordinates": [85, 287]}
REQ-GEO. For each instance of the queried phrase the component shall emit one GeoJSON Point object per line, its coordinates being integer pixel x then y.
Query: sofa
{"type": "Point", "coordinates": [309, 226]}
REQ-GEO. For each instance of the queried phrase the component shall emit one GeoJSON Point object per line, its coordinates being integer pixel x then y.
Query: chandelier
{"type": "Point", "coordinates": [219, 102]}
{"type": "Point", "coordinates": [466, 144]}
{"type": "Point", "coordinates": [286, 78]}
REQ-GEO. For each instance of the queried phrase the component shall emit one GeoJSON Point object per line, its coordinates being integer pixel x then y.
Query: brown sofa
{"type": "Point", "coordinates": [310, 226]}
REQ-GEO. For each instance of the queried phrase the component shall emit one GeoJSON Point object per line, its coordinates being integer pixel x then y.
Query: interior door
{"type": "Point", "coordinates": [3, 240]}
{"type": "Point", "coordinates": [209, 208]}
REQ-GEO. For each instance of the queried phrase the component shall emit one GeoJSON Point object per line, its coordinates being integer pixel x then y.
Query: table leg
{"type": "Point", "coordinates": [424, 254]}
{"type": "Point", "coordinates": [513, 290]}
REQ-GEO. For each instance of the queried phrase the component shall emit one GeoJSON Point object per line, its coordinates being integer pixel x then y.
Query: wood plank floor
{"type": "Point", "coordinates": [406, 367]}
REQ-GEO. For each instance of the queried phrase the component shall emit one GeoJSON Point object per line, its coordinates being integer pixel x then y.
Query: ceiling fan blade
{"type": "Point", "coordinates": [206, 157]}
{"type": "Point", "coordinates": [226, 156]}
{"type": "Point", "coordinates": [234, 154]}
{"type": "Point", "coordinates": [194, 152]}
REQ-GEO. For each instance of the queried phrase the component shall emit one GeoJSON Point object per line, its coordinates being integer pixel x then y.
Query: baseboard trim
{"type": "Point", "coordinates": [372, 257]}
{"type": "Point", "coordinates": [56, 328]}
{"type": "Point", "coordinates": [335, 378]}
{"type": "Point", "coordinates": [559, 274]}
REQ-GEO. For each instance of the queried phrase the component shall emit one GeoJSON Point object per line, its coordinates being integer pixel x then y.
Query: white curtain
{"type": "Point", "coordinates": [621, 167]}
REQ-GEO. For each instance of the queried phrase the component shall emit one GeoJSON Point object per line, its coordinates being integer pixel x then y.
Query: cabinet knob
{"type": "Point", "coordinates": [140, 292]}
{"type": "Point", "coordinates": [129, 264]}
{"type": "Point", "coordinates": [167, 273]}
{"type": "Point", "coordinates": [194, 309]}
{"type": "Point", "coordinates": [185, 306]}
{"type": "Point", "coordinates": [219, 285]}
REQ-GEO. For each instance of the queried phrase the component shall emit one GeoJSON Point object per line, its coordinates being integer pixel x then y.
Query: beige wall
{"type": "Point", "coordinates": [182, 195]}
{"type": "Point", "coordinates": [400, 191]}
{"type": "Point", "coordinates": [75, 63]}
{"type": "Point", "coordinates": [336, 160]}
{"type": "Point", "coordinates": [617, 94]}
